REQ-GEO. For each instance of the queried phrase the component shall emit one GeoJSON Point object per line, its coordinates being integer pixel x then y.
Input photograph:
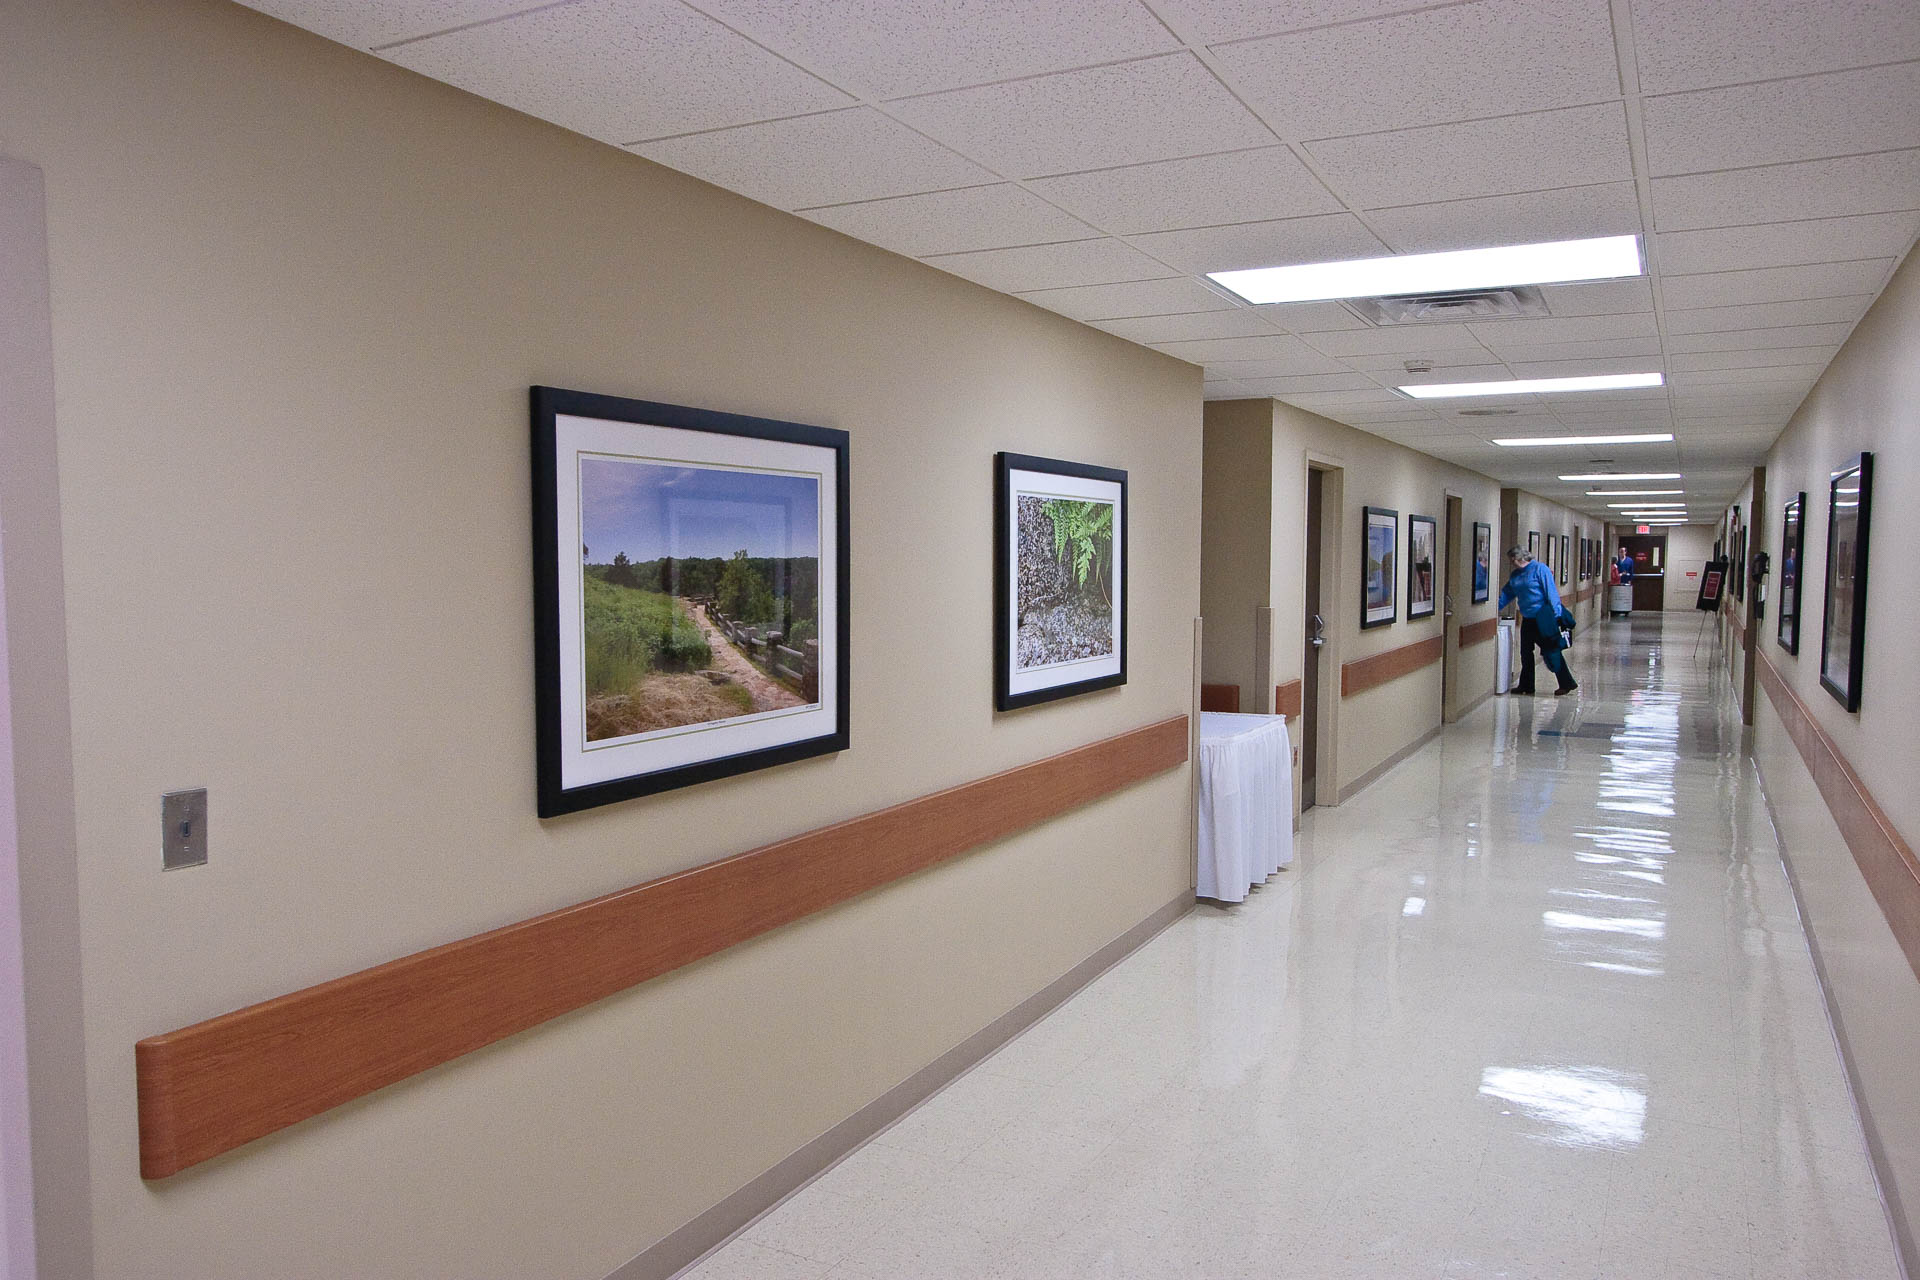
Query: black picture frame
{"type": "Point", "coordinates": [1793, 551]}
{"type": "Point", "coordinates": [1737, 550]}
{"type": "Point", "coordinates": [1423, 584]}
{"type": "Point", "coordinates": [1566, 560]}
{"type": "Point", "coordinates": [1036, 661]}
{"type": "Point", "coordinates": [1379, 575]}
{"type": "Point", "coordinates": [1843, 615]}
{"type": "Point", "coordinates": [1533, 543]}
{"type": "Point", "coordinates": [682, 481]}
{"type": "Point", "coordinates": [1482, 562]}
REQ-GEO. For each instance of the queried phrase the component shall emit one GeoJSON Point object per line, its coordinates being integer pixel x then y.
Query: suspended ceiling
{"type": "Point", "coordinates": [1097, 157]}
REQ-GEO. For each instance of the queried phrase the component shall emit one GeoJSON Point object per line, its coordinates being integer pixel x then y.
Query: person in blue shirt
{"type": "Point", "coordinates": [1625, 566]}
{"type": "Point", "coordinates": [1530, 587]}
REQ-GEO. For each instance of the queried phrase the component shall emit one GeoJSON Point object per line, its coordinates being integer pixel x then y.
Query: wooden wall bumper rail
{"type": "Point", "coordinates": [1887, 863]}
{"type": "Point", "coordinates": [1472, 633]}
{"type": "Point", "coordinates": [1370, 673]}
{"type": "Point", "coordinates": [213, 1086]}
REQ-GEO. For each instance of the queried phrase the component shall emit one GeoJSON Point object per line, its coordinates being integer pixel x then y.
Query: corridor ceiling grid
{"type": "Point", "coordinates": [1097, 157]}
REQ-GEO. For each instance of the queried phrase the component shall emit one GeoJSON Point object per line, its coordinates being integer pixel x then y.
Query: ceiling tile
{"type": "Point", "coordinates": [840, 156]}
{"type": "Point", "coordinates": [1604, 348]}
{"type": "Point", "coordinates": [1842, 113]}
{"type": "Point", "coordinates": [1785, 192]}
{"type": "Point", "coordinates": [1440, 372]}
{"type": "Point", "coordinates": [1571, 213]}
{"type": "Point", "coordinates": [1238, 186]}
{"type": "Point", "coordinates": [1536, 152]}
{"type": "Point", "coordinates": [1753, 359]}
{"type": "Point", "coordinates": [368, 26]}
{"type": "Point", "coordinates": [1141, 298]}
{"type": "Point", "coordinates": [1776, 378]}
{"type": "Point", "coordinates": [1787, 244]}
{"type": "Point", "coordinates": [1312, 317]}
{"type": "Point", "coordinates": [1582, 368]}
{"type": "Point", "coordinates": [1690, 44]}
{"type": "Point", "coordinates": [1411, 339]}
{"type": "Point", "coordinates": [1467, 364]}
{"type": "Point", "coordinates": [1279, 366]}
{"type": "Point", "coordinates": [620, 70]}
{"type": "Point", "coordinates": [1501, 334]}
{"type": "Point", "coordinates": [889, 48]}
{"type": "Point", "coordinates": [1774, 284]}
{"type": "Point", "coordinates": [1051, 266]}
{"type": "Point", "coordinates": [1226, 389]}
{"type": "Point", "coordinates": [1208, 21]}
{"type": "Point", "coordinates": [1798, 335]}
{"type": "Point", "coordinates": [1267, 348]}
{"type": "Point", "coordinates": [1153, 109]}
{"type": "Point", "coordinates": [992, 217]}
{"type": "Point", "coordinates": [1601, 297]}
{"type": "Point", "coordinates": [1427, 67]}
{"type": "Point", "coordinates": [1311, 382]}
{"type": "Point", "coordinates": [1328, 238]}
{"type": "Point", "coordinates": [1242, 322]}
{"type": "Point", "coordinates": [1768, 315]}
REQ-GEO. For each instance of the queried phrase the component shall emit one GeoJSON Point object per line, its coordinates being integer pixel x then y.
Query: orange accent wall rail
{"type": "Point", "coordinates": [213, 1086]}
{"type": "Point", "coordinates": [1219, 697]}
{"type": "Point", "coordinates": [1286, 698]}
{"type": "Point", "coordinates": [1472, 633]}
{"type": "Point", "coordinates": [1370, 673]}
{"type": "Point", "coordinates": [1886, 861]}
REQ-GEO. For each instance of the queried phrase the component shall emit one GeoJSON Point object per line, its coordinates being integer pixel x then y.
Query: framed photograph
{"type": "Point", "coordinates": [1381, 538]}
{"type": "Point", "coordinates": [1793, 541]}
{"type": "Point", "coordinates": [1533, 543]}
{"type": "Point", "coordinates": [1737, 548]}
{"type": "Point", "coordinates": [1482, 561]}
{"type": "Point", "coordinates": [1547, 553]}
{"type": "Point", "coordinates": [1566, 559]}
{"type": "Point", "coordinates": [1843, 621]}
{"type": "Point", "coordinates": [1423, 559]}
{"type": "Point", "coordinates": [1060, 579]}
{"type": "Point", "coordinates": [690, 595]}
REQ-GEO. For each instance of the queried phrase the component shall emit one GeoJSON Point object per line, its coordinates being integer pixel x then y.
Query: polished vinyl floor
{"type": "Point", "coordinates": [1536, 1004]}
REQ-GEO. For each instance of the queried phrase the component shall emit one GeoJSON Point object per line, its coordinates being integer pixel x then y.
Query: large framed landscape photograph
{"type": "Point", "coordinates": [1423, 558]}
{"type": "Point", "coordinates": [1843, 620]}
{"type": "Point", "coordinates": [690, 595]}
{"type": "Point", "coordinates": [1380, 539]}
{"type": "Point", "coordinates": [1060, 579]}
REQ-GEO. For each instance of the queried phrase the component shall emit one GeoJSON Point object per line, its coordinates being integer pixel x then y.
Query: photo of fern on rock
{"type": "Point", "coordinates": [1064, 592]}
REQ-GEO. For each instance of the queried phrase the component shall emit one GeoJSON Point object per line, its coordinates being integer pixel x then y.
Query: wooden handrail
{"type": "Point", "coordinates": [1370, 673]}
{"type": "Point", "coordinates": [213, 1086]}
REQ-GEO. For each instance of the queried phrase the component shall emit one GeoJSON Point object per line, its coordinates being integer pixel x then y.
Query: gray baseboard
{"type": "Point", "coordinates": [687, 1245]}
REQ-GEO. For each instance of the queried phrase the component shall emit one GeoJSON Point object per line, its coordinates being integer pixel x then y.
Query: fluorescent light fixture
{"type": "Point", "coordinates": [1529, 442]}
{"type": "Point", "coordinates": [1632, 493]}
{"type": "Point", "coordinates": [1534, 386]}
{"type": "Point", "coordinates": [1645, 506]}
{"type": "Point", "coordinates": [1628, 475]}
{"type": "Point", "coordinates": [1556, 262]}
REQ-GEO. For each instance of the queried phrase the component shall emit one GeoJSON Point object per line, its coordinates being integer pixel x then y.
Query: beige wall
{"type": "Point", "coordinates": [1236, 570]}
{"type": "Point", "coordinates": [1689, 547]}
{"type": "Point", "coordinates": [298, 297]}
{"type": "Point", "coordinates": [1375, 725]}
{"type": "Point", "coordinates": [1868, 399]}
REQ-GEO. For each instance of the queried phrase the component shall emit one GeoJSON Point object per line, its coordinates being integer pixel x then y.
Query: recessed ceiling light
{"type": "Point", "coordinates": [1556, 262]}
{"type": "Point", "coordinates": [1534, 386]}
{"type": "Point", "coordinates": [1631, 493]}
{"type": "Point", "coordinates": [1644, 506]}
{"type": "Point", "coordinates": [1628, 475]}
{"type": "Point", "coordinates": [1529, 442]}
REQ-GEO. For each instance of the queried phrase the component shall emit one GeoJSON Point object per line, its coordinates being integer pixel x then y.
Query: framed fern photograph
{"type": "Point", "coordinates": [690, 595]}
{"type": "Point", "coordinates": [1060, 579]}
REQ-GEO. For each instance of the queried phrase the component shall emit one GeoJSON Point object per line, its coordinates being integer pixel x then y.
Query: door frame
{"type": "Point", "coordinates": [1334, 608]}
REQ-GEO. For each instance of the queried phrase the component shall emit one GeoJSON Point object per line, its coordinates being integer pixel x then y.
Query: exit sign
{"type": "Point", "coordinates": [1645, 528]}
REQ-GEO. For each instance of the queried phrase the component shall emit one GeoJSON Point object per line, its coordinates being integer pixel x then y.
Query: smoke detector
{"type": "Point", "coordinates": [1419, 366]}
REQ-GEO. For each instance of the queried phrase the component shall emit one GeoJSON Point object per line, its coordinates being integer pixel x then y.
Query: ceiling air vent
{"type": "Point", "coordinates": [1438, 308]}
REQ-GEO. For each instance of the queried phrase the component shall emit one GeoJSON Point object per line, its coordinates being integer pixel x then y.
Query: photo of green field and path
{"type": "Point", "coordinates": [699, 594]}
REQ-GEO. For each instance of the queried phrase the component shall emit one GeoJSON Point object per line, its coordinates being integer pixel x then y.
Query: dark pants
{"type": "Point", "coordinates": [1550, 653]}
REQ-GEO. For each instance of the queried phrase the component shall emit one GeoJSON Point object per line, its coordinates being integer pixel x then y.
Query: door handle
{"type": "Point", "coordinates": [1317, 637]}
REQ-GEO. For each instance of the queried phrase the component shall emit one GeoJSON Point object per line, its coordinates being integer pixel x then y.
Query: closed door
{"type": "Point", "coordinates": [1316, 639]}
{"type": "Point", "coordinates": [1649, 552]}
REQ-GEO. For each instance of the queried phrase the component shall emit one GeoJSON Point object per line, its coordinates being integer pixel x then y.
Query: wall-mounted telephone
{"type": "Point", "coordinates": [1760, 565]}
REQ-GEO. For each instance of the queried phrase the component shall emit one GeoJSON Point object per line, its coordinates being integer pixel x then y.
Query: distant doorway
{"type": "Point", "coordinates": [1316, 639]}
{"type": "Point", "coordinates": [1451, 556]}
{"type": "Point", "coordinates": [1649, 552]}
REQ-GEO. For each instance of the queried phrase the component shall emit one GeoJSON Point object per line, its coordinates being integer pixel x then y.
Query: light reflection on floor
{"type": "Point", "coordinates": [1535, 1004]}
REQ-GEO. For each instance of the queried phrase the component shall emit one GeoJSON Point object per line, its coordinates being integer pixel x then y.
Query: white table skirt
{"type": "Point", "coordinates": [1246, 802]}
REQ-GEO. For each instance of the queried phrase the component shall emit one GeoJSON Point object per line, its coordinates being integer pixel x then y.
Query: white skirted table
{"type": "Point", "coordinates": [1246, 803]}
